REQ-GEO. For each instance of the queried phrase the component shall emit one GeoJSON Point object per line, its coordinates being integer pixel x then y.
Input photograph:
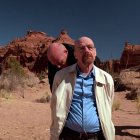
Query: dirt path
{"type": "Point", "coordinates": [22, 119]}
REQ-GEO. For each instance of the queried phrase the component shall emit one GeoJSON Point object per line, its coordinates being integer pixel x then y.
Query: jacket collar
{"type": "Point", "coordinates": [98, 73]}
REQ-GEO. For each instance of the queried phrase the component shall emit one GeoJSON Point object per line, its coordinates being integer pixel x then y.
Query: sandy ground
{"type": "Point", "coordinates": [126, 119]}
{"type": "Point", "coordinates": [25, 119]}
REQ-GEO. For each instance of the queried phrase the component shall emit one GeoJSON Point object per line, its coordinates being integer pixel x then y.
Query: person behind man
{"type": "Point", "coordinates": [59, 56]}
{"type": "Point", "coordinates": [82, 98]}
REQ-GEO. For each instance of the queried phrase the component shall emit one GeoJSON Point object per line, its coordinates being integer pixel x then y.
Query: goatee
{"type": "Point", "coordinates": [87, 59]}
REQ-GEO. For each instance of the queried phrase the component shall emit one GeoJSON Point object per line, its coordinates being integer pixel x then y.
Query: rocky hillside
{"type": "Point", "coordinates": [130, 80]}
{"type": "Point", "coordinates": [30, 50]}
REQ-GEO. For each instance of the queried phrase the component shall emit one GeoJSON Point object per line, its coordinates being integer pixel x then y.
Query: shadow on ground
{"type": "Point", "coordinates": [123, 131]}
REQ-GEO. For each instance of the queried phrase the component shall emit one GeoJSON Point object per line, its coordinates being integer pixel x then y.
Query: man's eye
{"type": "Point", "coordinates": [81, 48]}
{"type": "Point", "coordinates": [90, 48]}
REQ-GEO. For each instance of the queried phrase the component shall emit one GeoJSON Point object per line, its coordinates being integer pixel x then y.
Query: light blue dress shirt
{"type": "Point", "coordinates": [83, 116]}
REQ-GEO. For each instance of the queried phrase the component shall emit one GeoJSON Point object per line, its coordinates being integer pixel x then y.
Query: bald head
{"type": "Point", "coordinates": [54, 49]}
{"type": "Point", "coordinates": [84, 41]}
{"type": "Point", "coordinates": [57, 54]}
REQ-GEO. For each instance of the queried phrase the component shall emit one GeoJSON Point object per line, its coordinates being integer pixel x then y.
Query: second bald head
{"type": "Point", "coordinates": [57, 54]}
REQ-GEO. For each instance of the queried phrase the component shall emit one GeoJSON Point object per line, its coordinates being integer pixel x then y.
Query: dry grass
{"type": "Point", "coordinates": [116, 105]}
{"type": "Point", "coordinates": [15, 78]}
{"type": "Point", "coordinates": [133, 94]}
{"type": "Point", "coordinates": [44, 99]}
{"type": "Point", "coordinates": [4, 94]}
{"type": "Point", "coordinates": [138, 104]}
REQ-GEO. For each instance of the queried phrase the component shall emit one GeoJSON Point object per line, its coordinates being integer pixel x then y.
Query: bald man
{"type": "Point", "coordinates": [59, 56]}
{"type": "Point", "coordinates": [82, 98]}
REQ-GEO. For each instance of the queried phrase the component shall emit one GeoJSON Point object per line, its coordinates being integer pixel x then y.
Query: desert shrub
{"type": "Point", "coordinates": [31, 80]}
{"type": "Point", "coordinates": [4, 94]}
{"type": "Point", "coordinates": [41, 75]}
{"type": "Point", "coordinates": [44, 99]}
{"type": "Point", "coordinates": [133, 94]}
{"type": "Point", "coordinates": [118, 85]}
{"type": "Point", "coordinates": [116, 105]}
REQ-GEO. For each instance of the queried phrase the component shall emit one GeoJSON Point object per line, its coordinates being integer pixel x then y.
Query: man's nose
{"type": "Point", "coordinates": [86, 48]}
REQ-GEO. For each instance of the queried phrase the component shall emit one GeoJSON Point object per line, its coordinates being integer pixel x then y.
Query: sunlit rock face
{"type": "Point", "coordinates": [30, 50]}
{"type": "Point", "coordinates": [130, 56]}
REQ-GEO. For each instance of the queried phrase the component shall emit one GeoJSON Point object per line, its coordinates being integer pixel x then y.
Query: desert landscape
{"type": "Point", "coordinates": [27, 119]}
{"type": "Point", "coordinates": [25, 95]}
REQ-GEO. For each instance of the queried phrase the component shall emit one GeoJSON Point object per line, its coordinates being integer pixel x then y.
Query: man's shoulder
{"type": "Point", "coordinates": [68, 69]}
{"type": "Point", "coordinates": [102, 73]}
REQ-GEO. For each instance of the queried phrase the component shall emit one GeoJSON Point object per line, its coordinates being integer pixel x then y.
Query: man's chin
{"type": "Point", "coordinates": [87, 63]}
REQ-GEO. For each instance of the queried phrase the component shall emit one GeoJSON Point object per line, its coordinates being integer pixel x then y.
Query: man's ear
{"type": "Point", "coordinates": [95, 51]}
{"type": "Point", "coordinates": [66, 51]}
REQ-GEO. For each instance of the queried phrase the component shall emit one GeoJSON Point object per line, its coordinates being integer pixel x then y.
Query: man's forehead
{"type": "Point", "coordinates": [85, 41]}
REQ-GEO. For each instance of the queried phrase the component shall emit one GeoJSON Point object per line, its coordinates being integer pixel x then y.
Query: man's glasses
{"type": "Point", "coordinates": [82, 48]}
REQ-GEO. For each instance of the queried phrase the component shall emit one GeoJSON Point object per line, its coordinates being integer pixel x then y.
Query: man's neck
{"type": "Point", "coordinates": [85, 69]}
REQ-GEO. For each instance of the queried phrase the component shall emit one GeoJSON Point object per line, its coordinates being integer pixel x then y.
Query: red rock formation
{"type": "Point", "coordinates": [64, 38]}
{"type": "Point", "coordinates": [31, 49]}
{"type": "Point", "coordinates": [130, 56]}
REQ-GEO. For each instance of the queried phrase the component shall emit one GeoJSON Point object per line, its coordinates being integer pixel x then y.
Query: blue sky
{"type": "Point", "coordinates": [110, 23]}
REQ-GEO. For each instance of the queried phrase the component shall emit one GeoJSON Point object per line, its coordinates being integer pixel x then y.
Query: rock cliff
{"type": "Point", "coordinates": [130, 56]}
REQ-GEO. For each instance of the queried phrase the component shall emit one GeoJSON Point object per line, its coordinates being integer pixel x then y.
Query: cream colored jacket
{"type": "Point", "coordinates": [62, 94]}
